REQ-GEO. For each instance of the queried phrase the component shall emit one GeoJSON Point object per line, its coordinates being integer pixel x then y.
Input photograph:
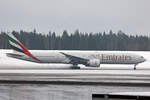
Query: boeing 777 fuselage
{"type": "Point", "coordinates": [87, 58]}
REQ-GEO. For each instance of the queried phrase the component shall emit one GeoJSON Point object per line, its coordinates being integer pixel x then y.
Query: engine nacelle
{"type": "Point", "coordinates": [93, 63]}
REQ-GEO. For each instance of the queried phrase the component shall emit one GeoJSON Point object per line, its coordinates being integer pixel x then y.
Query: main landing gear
{"type": "Point", "coordinates": [75, 67]}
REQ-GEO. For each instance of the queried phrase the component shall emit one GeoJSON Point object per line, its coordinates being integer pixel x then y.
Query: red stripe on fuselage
{"type": "Point", "coordinates": [27, 52]}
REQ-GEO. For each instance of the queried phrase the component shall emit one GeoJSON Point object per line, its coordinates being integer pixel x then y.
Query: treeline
{"type": "Point", "coordinates": [78, 41]}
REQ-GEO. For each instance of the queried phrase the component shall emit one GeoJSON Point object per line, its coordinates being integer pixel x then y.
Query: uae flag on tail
{"type": "Point", "coordinates": [17, 46]}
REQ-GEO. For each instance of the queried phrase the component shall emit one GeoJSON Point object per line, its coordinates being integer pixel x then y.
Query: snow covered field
{"type": "Point", "coordinates": [107, 73]}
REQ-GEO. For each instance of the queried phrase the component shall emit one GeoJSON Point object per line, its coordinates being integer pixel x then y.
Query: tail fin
{"type": "Point", "coordinates": [17, 46]}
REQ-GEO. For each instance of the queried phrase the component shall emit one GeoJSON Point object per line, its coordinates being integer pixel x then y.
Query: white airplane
{"type": "Point", "coordinates": [87, 58]}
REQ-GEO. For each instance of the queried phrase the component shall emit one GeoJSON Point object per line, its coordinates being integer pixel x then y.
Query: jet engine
{"type": "Point", "coordinates": [93, 63]}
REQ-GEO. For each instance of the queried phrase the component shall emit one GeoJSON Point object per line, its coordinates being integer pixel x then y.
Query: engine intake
{"type": "Point", "coordinates": [93, 63]}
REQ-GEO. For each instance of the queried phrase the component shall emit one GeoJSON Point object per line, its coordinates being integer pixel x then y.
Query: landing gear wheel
{"type": "Point", "coordinates": [75, 67]}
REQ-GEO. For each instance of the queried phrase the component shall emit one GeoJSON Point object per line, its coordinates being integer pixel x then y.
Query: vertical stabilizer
{"type": "Point", "coordinates": [18, 47]}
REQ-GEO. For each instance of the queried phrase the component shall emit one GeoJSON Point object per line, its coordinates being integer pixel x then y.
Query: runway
{"type": "Point", "coordinates": [86, 77]}
{"type": "Point", "coordinates": [70, 84]}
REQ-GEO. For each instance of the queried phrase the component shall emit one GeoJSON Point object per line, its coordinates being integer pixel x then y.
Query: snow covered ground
{"type": "Point", "coordinates": [106, 72]}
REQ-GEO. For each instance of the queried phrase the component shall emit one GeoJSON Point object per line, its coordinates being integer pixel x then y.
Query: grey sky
{"type": "Point", "coordinates": [130, 16]}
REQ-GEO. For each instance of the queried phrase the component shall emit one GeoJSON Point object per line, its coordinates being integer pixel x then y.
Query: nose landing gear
{"type": "Point", "coordinates": [135, 66]}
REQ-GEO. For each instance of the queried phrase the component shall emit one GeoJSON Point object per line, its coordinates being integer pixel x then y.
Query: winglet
{"type": "Point", "coordinates": [16, 45]}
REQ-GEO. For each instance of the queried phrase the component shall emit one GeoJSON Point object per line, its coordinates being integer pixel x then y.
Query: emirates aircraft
{"type": "Point", "coordinates": [73, 57]}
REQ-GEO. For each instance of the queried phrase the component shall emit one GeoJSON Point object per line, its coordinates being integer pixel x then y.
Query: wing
{"type": "Point", "coordinates": [75, 60]}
